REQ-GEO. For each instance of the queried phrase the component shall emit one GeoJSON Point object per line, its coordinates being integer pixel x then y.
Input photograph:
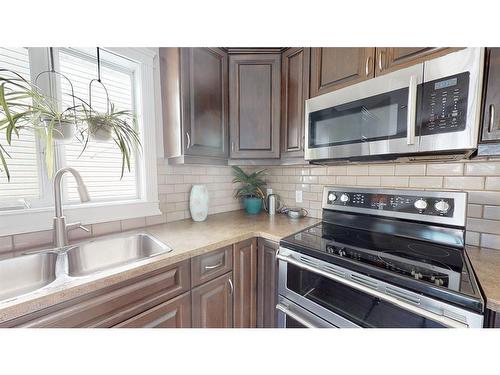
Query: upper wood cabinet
{"type": "Point", "coordinates": [245, 284]}
{"type": "Point", "coordinates": [194, 85]}
{"type": "Point", "coordinates": [294, 91]}
{"type": "Point", "coordinates": [491, 111]}
{"type": "Point", "coordinates": [393, 58]}
{"type": "Point", "coordinates": [212, 303]}
{"type": "Point", "coordinates": [333, 68]}
{"type": "Point", "coordinates": [254, 102]}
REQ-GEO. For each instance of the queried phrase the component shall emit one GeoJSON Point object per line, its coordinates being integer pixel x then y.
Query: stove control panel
{"type": "Point", "coordinates": [419, 203]}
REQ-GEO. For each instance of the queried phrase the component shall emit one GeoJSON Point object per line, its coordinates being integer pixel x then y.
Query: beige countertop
{"type": "Point", "coordinates": [486, 265]}
{"type": "Point", "coordinates": [187, 239]}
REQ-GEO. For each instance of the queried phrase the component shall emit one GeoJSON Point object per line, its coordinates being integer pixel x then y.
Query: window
{"type": "Point", "coordinates": [23, 166]}
{"type": "Point", "coordinates": [128, 74]}
{"type": "Point", "coordinates": [100, 164]}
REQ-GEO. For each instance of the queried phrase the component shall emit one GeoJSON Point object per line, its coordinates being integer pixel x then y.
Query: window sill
{"type": "Point", "coordinates": [36, 219]}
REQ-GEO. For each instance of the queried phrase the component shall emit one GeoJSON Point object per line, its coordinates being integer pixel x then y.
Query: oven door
{"type": "Point", "coordinates": [343, 303]}
{"type": "Point", "coordinates": [374, 117]}
{"type": "Point", "coordinates": [291, 315]}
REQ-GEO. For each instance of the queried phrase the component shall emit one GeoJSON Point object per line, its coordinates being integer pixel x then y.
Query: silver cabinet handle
{"type": "Point", "coordinates": [285, 310]}
{"type": "Point", "coordinates": [375, 293]}
{"type": "Point", "coordinates": [188, 140]}
{"type": "Point", "coordinates": [231, 286]}
{"type": "Point", "coordinates": [380, 65]}
{"type": "Point", "coordinates": [412, 110]}
{"type": "Point", "coordinates": [232, 146]}
{"type": "Point", "coordinates": [214, 266]}
{"type": "Point", "coordinates": [491, 121]}
{"type": "Point", "coordinates": [367, 65]}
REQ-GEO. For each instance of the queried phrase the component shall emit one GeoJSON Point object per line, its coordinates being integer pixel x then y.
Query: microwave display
{"type": "Point", "coordinates": [444, 107]}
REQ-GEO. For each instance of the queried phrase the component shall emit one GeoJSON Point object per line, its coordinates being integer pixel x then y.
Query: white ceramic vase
{"type": "Point", "coordinates": [198, 202]}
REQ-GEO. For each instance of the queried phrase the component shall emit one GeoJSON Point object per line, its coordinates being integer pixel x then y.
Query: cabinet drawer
{"type": "Point", "coordinates": [113, 305]}
{"type": "Point", "coordinates": [175, 313]}
{"type": "Point", "coordinates": [208, 266]}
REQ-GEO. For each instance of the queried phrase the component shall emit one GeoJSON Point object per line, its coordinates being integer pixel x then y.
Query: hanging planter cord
{"type": "Point", "coordinates": [53, 71]}
{"type": "Point", "coordinates": [99, 81]}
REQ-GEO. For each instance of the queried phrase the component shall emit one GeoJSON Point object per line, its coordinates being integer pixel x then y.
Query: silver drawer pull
{"type": "Point", "coordinates": [491, 121]}
{"type": "Point", "coordinates": [285, 310]}
{"type": "Point", "coordinates": [214, 266]}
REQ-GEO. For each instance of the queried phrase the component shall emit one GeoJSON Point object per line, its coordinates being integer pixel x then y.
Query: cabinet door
{"type": "Point", "coordinates": [390, 59]}
{"type": "Point", "coordinates": [267, 291]}
{"type": "Point", "coordinates": [204, 93]}
{"type": "Point", "coordinates": [333, 68]}
{"type": "Point", "coordinates": [245, 284]}
{"type": "Point", "coordinates": [212, 303]}
{"type": "Point", "coordinates": [254, 106]}
{"type": "Point", "coordinates": [491, 111]}
{"type": "Point", "coordinates": [294, 92]}
{"type": "Point", "coordinates": [175, 313]}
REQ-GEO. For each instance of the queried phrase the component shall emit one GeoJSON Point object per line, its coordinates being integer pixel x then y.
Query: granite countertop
{"type": "Point", "coordinates": [486, 265]}
{"type": "Point", "coordinates": [187, 239]}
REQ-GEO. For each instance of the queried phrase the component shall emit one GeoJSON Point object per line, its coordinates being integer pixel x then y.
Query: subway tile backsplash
{"type": "Point", "coordinates": [480, 178]}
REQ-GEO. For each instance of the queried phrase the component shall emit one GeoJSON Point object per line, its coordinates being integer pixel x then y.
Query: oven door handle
{"type": "Point", "coordinates": [412, 111]}
{"type": "Point", "coordinates": [299, 318]}
{"type": "Point", "coordinates": [375, 293]}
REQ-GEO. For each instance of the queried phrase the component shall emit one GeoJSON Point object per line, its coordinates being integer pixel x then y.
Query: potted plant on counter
{"type": "Point", "coordinates": [250, 189]}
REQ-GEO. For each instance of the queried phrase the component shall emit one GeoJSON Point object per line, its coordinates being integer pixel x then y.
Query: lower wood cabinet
{"type": "Point", "coordinates": [212, 303]}
{"type": "Point", "coordinates": [175, 313]}
{"type": "Point", "coordinates": [245, 284]}
{"type": "Point", "coordinates": [267, 290]}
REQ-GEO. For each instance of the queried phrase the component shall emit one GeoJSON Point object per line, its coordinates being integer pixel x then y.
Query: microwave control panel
{"type": "Point", "coordinates": [444, 104]}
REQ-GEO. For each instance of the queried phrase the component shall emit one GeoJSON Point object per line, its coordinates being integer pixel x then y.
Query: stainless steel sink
{"type": "Point", "coordinates": [26, 274]}
{"type": "Point", "coordinates": [102, 254]}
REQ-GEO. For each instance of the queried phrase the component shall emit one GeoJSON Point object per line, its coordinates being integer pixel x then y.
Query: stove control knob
{"type": "Point", "coordinates": [332, 197]}
{"type": "Point", "coordinates": [344, 198]}
{"type": "Point", "coordinates": [420, 204]}
{"type": "Point", "coordinates": [442, 206]}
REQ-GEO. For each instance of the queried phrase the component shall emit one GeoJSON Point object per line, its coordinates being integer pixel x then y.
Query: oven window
{"type": "Point", "coordinates": [292, 323]}
{"type": "Point", "coordinates": [358, 307]}
{"type": "Point", "coordinates": [375, 118]}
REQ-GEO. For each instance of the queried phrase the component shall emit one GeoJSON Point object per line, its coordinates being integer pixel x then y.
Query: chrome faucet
{"type": "Point", "coordinates": [60, 227]}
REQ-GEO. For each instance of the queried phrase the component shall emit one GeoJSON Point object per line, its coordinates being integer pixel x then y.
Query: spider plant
{"type": "Point", "coordinates": [24, 107]}
{"type": "Point", "coordinates": [117, 125]}
{"type": "Point", "coordinates": [250, 189]}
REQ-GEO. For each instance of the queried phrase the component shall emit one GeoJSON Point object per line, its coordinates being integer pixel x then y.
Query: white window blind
{"type": "Point", "coordinates": [23, 164]}
{"type": "Point", "coordinates": [100, 164]}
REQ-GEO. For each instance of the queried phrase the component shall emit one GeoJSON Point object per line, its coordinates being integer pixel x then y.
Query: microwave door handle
{"type": "Point", "coordinates": [412, 111]}
{"type": "Point", "coordinates": [375, 293]}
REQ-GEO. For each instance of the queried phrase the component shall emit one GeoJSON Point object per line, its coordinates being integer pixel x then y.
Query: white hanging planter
{"type": "Point", "coordinates": [62, 130]}
{"type": "Point", "coordinates": [99, 130]}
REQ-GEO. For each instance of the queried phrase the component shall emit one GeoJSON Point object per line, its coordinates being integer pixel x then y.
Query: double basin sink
{"type": "Point", "coordinates": [29, 273]}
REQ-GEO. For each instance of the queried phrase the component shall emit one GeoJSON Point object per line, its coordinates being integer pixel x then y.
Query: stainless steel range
{"type": "Point", "coordinates": [380, 258]}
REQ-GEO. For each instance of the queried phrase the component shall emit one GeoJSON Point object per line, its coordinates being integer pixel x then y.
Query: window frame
{"type": "Point", "coordinates": [146, 64]}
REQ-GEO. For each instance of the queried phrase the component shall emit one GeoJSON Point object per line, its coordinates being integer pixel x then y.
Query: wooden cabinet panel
{"type": "Point", "coordinates": [245, 284]}
{"type": "Point", "coordinates": [294, 92]}
{"type": "Point", "coordinates": [175, 313]}
{"type": "Point", "coordinates": [491, 107]}
{"type": "Point", "coordinates": [333, 68]}
{"type": "Point", "coordinates": [211, 265]}
{"type": "Point", "coordinates": [115, 304]}
{"type": "Point", "coordinates": [254, 103]}
{"type": "Point", "coordinates": [195, 103]}
{"type": "Point", "coordinates": [390, 59]}
{"type": "Point", "coordinates": [267, 291]}
{"type": "Point", "coordinates": [212, 303]}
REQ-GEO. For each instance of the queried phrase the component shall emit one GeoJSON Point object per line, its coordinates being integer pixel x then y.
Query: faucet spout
{"type": "Point", "coordinates": [60, 227]}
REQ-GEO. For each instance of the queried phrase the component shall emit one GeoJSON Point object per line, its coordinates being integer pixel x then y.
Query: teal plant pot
{"type": "Point", "coordinates": [252, 205]}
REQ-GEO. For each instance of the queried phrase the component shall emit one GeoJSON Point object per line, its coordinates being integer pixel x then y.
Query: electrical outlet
{"type": "Point", "coordinates": [298, 196]}
{"type": "Point", "coordinates": [269, 191]}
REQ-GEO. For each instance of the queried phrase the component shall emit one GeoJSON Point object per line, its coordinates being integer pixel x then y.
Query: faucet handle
{"type": "Point", "coordinates": [77, 225]}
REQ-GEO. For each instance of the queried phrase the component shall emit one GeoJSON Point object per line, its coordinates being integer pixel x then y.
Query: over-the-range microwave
{"type": "Point", "coordinates": [429, 108]}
